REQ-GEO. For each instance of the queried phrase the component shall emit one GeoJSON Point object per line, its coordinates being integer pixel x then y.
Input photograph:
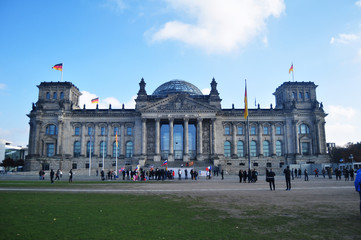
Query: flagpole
{"type": "Point", "coordinates": [248, 146]}
{"type": "Point", "coordinates": [247, 124]}
{"type": "Point", "coordinates": [62, 72]}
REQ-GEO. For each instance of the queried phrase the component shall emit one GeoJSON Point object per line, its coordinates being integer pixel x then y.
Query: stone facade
{"type": "Point", "coordinates": [176, 123]}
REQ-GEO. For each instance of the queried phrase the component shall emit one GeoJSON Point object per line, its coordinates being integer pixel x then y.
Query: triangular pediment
{"type": "Point", "coordinates": [178, 103]}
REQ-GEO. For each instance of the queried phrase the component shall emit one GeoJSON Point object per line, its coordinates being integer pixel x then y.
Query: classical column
{"type": "Point", "coordinates": [83, 143]}
{"type": "Point", "coordinates": [296, 143]}
{"type": "Point", "coordinates": [157, 140]}
{"type": "Point", "coordinates": [37, 138]}
{"type": "Point", "coordinates": [59, 147]}
{"type": "Point", "coordinates": [234, 139]}
{"type": "Point", "coordinates": [109, 141]}
{"type": "Point", "coordinates": [121, 137]}
{"type": "Point", "coordinates": [171, 141]}
{"type": "Point", "coordinates": [273, 140]}
{"type": "Point", "coordinates": [260, 143]}
{"type": "Point", "coordinates": [96, 143]}
{"type": "Point", "coordinates": [214, 142]}
{"type": "Point", "coordinates": [185, 141]}
{"type": "Point", "coordinates": [144, 136]}
{"type": "Point", "coordinates": [199, 137]}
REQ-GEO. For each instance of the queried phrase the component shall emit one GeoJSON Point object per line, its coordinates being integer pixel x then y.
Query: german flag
{"type": "Point", "coordinates": [58, 67]}
{"type": "Point", "coordinates": [95, 100]}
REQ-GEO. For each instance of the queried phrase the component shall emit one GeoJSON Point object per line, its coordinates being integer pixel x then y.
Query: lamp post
{"type": "Point", "coordinates": [351, 158]}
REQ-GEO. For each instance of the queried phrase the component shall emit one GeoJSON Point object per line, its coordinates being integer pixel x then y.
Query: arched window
{"type": "Point", "coordinates": [103, 149]}
{"type": "Point", "coordinates": [48, 95]}
{"type": "Point", "coordinates": [55, 95]}
{"type": "Point", "coordinates": [227, 149]}
{"type": "Point", "coordinates": [116, 150]}
{"type": "Point", "coordinates": [129, 150]}
{"type": "Point", "coordinates": [279, 150]}
{"type": "Point", "coordinates": [51, 130]}
{"type": "Point", "coordinates": [303, 129]}
{"type": "Point", "coordinates": [88, 147]}
{"type": "Point", "coordinates": [240, 149]}
{"type": "Point", "coordinates": [77, 149]}
{"type": "Point", "coordinates": [266, 148]}
{"type": "Point", "coordinates": [61, 95]}
{"type": "Point", "coordinates": [253, 148]}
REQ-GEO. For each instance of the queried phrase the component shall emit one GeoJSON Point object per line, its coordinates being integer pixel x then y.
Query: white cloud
{"type": "Point", "coordinates": [221, 26]}
{"type": "Point", "coordinates": [2, 86]}
{"type": "Point", "coordinates": [86, 98]}
{"type": "Point", "coordinates": [345, 38]}
{"type": "Point", "coordinates": [342, 126]}
{"type": "Point", "coordinates": [206, 91]}
{"type": "Point", "coordinates": [358, 3]}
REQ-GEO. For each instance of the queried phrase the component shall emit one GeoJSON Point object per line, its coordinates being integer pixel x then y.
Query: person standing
{"type": "Point", "coordinates": [71, 175]}
{"type": "Point", "coordinates": [240, 175]}
{"type": "Point", "coordinates": [52, 176]}
{"type": "Point", "coordinates": [222, 174]}
{"type": "Point", "coordinates": [185, 174]}
{"type": "Point", "coordinates": [179, 174]}
{"type": "Point", "coordinates": [271, 179]}
{"type": "Point", "coordinates": [287, 173]}
{"type": "Point", "coordinates": [306, 174]}
{"type": "Point", "coordinates": [358, 184]}
{"type": "Point", "coordinates": [102, 175]}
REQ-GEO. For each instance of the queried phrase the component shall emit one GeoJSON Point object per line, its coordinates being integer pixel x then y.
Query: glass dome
{"type": "Point", "coordinates": [177, 86]}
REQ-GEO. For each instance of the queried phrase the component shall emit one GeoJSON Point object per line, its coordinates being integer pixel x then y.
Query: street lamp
{"type": "Point", "coordinates": [351, 158]}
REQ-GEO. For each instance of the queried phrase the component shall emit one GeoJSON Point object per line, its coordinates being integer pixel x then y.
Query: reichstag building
{"type": "Point", "coordinates": [176, 123]}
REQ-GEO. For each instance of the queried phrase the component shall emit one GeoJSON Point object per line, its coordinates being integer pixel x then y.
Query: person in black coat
{"type": "Point", "coordinates": [240, 174]}
{"type": "Point", "coordinates": [52, 176]}
{"type": "Point", "coordinates": [271, 179]}
{"type": "Point", "coordinates": [287, 173]}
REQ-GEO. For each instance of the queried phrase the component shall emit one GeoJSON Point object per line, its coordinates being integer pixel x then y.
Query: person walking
{"type": "Point", "coordinates": [358, 184]}
{"type": "Point", "coordinates": [52, 176]}
{"type": "Point", "coordinates": [57, 175]}
{"type": "Point", "coordinates": [287, 173]}
{"type": "Point", "coordinates": [222, 174]}
{"type": "Point", "coordinates": [71, 175]}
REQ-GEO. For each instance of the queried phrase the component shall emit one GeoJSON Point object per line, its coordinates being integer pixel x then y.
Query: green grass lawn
{"type": "Point", "coordinates": [40, 215]}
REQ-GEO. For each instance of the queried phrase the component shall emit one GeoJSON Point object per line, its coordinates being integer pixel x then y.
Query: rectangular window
{"type": "Point", "coordinates": [90, 131]}
{"type": "Point", "coordinates": [227, 130]}
{"type": "Point", "coordinates": [265, 130]}
{"type": "Point", "coordinates": [305, 148]}
{"type": "Point", "coordinates": [278, 130]}
{"type": "Point", "coordinates": [307, 95]}
{"type": "Point", "coordinates": [50, 149]}
{"type": "Point", "coordinates": [87, 165]}
{"type": "Point", "coordinates": [102, 131]}
{"type": "Point", "coordinates": [116, 130]}
{"type": "Point", "coordinates": [129, 131]}
{"type": "Point", "coordinates": [55, 95]}
{"type": "Point", "coordinates": [74, 166]}
{"type": "Point", "coordinates": [240, 130]}
{"type": "Point", "coordinates": [253, 130]}
{"type": "Point", "coordinates": [77, 131]}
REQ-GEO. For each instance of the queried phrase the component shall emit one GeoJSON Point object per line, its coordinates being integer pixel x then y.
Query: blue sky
{"type": "Point", "coordinates": [107, 46]}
